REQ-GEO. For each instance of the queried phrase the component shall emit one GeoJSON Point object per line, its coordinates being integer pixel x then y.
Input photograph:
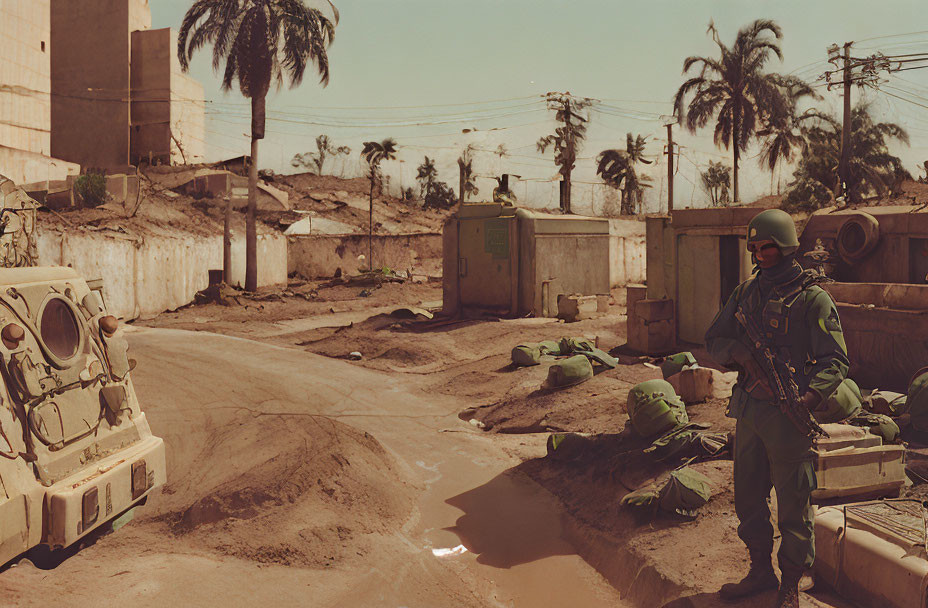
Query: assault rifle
{"type": "Point", "coordinates": [780, 378]}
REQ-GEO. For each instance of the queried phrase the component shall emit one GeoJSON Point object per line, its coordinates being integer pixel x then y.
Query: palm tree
{"type": "Point", "coordinates": [616, 167]}
{"type": "Point", "coordinates": [567, 138]}
{"type": "Point", "coordinates": [468, 182]}
{"type": "Point", "coordinates": [782, 133]}
{"type": "Point", "coordinates": [871, 169]}
{"type": "Point", "coordinates": [426, 175]}
{"type": "Point", "coordinates": [715, 181]}
{"type": "Point", "coordinates": [324, 147]}
{"type": "Point", "coordinates": [260, 41]}
{"type": "Point", "coordinates": [733, 88]}
{"type": "Point", "coordinates": [375, 153]}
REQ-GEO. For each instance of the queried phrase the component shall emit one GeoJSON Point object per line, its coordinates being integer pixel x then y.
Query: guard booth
{"type": "Point", "coordinates": [514, 262]}
{"type": "Point", "coordinates": [696, 258]}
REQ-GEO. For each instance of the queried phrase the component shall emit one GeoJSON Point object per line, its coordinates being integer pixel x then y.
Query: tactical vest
{"type": "Point", "coordinates": [775, 312]}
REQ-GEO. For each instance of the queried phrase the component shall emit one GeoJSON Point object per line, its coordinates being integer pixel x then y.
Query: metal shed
{"type": "Point", "coordinates": [516, 262]}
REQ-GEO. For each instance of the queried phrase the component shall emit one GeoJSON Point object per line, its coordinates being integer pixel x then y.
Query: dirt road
{"type": "Point", "coordinates": [300, 480]}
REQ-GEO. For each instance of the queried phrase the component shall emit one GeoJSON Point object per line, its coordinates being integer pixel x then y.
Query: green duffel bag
{"type": "Point", "coordinates": [878, 424]}
{"type": "Point", "coordinates": [568, 372]}
{"type": "Point", "coordinates": [641, 498]}
{"type": "Point", "coordinates": [917, 400]}
{"type": "Point", "coordinates": [674, 364]}
{"type": "Point", "coordinates": [526, 355]}
{"type": "Point", "coordinates": [570, 345]}
{"type": "Point", "coordinates": [685, 492]}
{"type": "Point", "coordinates": [654, 408]}
{"type": "Point", "coordinates": [844, 403]}
{"type": "Point", "coordinates": [886, 402]}
{"type": "Point", "coordinates": [687, 441]}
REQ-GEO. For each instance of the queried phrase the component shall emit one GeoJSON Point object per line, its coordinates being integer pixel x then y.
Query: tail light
{"type": "Point", "coordinates": [90, 508]}
{"type": "Point", "coordinates": [139, 478]}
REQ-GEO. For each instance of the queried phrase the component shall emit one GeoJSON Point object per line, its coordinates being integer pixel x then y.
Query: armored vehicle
{"type": "Point", "coordinates": [76, 450]}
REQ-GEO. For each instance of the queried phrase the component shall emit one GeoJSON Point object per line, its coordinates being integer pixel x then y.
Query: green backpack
{"type": "Point", "coordinates": [688, 440]}
{"type": "Point", "coordinates": [687, 491]}
{"type": "Point", "coordinates": [917, 400]}
{"type": "Point", "coordinates": [844, 403]}
{"type": "Point", "coordinates": [526, 355]}
{"type": "Point", "coordinates": [878, 424]}
{"type": "Point", "coordinates": [654, 408]}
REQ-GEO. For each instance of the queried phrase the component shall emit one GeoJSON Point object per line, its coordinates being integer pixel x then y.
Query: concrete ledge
{"type": "Point", "coordinates": [318, 256]}
{"type": "Point", "coordinates": [151, 274]}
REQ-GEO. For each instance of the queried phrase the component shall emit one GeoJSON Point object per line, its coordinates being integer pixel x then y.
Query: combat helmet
{"type": "Point", "coordinates": [774, 225]}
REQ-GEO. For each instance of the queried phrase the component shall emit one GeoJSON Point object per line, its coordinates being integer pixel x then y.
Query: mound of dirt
{"type": "Point", "coordinates": [329, 483]}
{"type": "Point", "coordinates": [254, 472]}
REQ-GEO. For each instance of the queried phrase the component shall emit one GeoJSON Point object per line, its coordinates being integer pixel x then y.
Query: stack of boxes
{"type": "Point", "coordinates": [651, 325]}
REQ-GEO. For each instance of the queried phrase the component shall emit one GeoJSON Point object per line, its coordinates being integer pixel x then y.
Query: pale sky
{"type": "Point", "coordinates": [397, 64]}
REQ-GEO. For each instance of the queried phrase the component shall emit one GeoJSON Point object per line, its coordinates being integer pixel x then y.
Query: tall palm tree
{"type": "Point", "coordinates": [260, 41]}
{"type": "Point", "coordinates": [426, 175]}
{"type": "Point", "coordinates": [871, 169]}
{"type": "Point", "coordinates": [468, 185]}
{"type": "Point", "coordinates": [733, 88]}
{"type": "Point", "coordinates": [616, 167]}
{"type": "Point", "coordinates": [375, 153]}
{"type": "Point", "coordinates": [782, 132]}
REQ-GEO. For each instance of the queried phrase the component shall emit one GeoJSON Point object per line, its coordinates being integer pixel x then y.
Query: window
{"type": "Point", "coordinates": [59, 329]}
{"type": "Point", "coordinates": [43, 46]}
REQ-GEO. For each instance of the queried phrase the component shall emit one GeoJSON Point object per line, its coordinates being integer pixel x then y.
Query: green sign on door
{"type": "Point", "coordinates": [497, 237]}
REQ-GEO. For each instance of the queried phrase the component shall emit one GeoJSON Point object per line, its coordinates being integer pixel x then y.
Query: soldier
{"type": "Point", "coordinates": [802, 327]}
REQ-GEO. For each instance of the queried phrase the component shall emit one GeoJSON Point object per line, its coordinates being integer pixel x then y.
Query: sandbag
{"type": "Point", "coordinates": [878, 424]}
{"type": "Point", "coordinates": [685, 492]}
{"type": "Point", "coordinates": [887, 403]}
{"type": "Point", "coordinates": [568, 372]}
{"type": "Point", "coordinates": [654, 408]}
{"type": "Point", "coordinates": [917, 400]}
{"type": "Point", "coordinates": [674, 364]}
{"type": "Point", "coordinates": [845, 402]}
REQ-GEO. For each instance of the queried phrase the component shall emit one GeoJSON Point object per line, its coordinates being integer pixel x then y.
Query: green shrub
{"type": "Point", "coordinates": [91, 188]}
{"type": "Point", "coordinates": [807, 194]}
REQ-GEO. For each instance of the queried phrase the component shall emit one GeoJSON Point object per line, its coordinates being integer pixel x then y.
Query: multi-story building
{"type": "Point", "coordinates": [118, 95]}
{"type": "Point", "coordinates": [25, 85]}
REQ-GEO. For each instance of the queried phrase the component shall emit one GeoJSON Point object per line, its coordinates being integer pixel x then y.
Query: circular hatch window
{"type": "Point", "coordinates": [60, 330]}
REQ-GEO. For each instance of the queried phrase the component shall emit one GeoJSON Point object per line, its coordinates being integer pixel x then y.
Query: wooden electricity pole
{"type": "Point", "coordinates": [669, 169]}
{"type": "Point", "coordinates": [846, 125]}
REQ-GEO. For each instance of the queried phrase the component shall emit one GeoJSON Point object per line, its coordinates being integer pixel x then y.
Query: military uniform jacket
{"type": "Point", "coordinates": [801, 323]}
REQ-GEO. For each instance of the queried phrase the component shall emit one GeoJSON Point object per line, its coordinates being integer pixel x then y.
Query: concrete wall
{"type": "Point", "coordinates": [90, 82]}
{"type": "Point", "coordinates": [25, 80]}
{"type": "Point", "coordinates": [168, 111]}
{"type": "Point", "coordinates": [627, 252]}
{"type": "Point", "coordinates": [157, 273]}
{"type": "Point", "coordinates": [188, 113]}
{"type": "Point", "coordinates": [150, 78]}
{"type": "Point", "coordinates": [320, 256]}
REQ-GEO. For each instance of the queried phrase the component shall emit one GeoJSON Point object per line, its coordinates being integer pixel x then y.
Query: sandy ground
{"type": "Point", "coordinates": [416, 476]}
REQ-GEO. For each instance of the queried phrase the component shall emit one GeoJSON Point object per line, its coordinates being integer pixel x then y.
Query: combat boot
{"type": "Point", "coordinates": [788, 593]}
{"type": "Point", "coordinates": [761, 577]}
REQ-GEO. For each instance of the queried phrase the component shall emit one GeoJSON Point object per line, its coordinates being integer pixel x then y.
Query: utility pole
{"type": "Point", "coordinates": [669, 168]}
{"type": "Point", "coordinates": [866, 74]}
{"type": "Point", "coordinates": [846, 124]}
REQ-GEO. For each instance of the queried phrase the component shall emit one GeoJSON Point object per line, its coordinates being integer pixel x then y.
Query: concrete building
{"type": "Point", "coordinates": [25, 85]}
{"type": "Point", "coordinates": [167, 109]}
{"type": "Point", "coordinates": [116, 85]}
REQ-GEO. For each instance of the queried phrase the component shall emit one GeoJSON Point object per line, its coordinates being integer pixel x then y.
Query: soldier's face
{"type": "Point", "coordinates": [766, 253]}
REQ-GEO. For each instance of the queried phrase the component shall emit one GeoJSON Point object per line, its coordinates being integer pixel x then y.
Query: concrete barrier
{"type": "Point", "coordinates": [319, 256]}
{"type": "Point", "coordinates": [627, 252]}
{"type": "Point", "coordinates": [151, 274]}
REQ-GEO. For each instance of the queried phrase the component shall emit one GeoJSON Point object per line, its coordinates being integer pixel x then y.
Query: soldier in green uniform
{"type": "Point", "coordinates": [801, 326]}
